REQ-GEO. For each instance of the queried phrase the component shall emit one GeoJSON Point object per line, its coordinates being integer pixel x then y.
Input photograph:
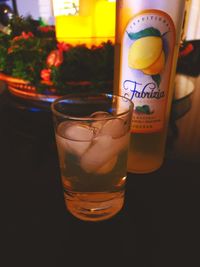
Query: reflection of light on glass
{"type": "Point", "coordinates": [66, 7]}
{"type": "Point", "coordinates": [32, 95]}
{"type": "Point", "coordinates": [34, 109]}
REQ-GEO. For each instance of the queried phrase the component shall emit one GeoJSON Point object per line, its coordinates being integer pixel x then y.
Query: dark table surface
{"type": "Point", "coordinates": [159, 224]}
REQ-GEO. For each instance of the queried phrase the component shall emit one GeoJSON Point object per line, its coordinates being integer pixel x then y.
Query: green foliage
{"type": "Point", "coordinates": [19, 24]}
{"type": "Point", "coordinates": [24, 54]}
{"type": "Point", "coordinates": [4, 44]}
{"type": "Point", "coordinates": [144, 33]}
{"type": "Point", "coordinates": [145, 109]}
{"type": "Point", "coordinates": [26, 58]}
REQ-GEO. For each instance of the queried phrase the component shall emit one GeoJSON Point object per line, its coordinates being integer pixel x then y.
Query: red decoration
{"type": "Point", "coordinates": [55, 58]}
{"type": "Point", "coordinates": [46, 74]}
{"type": "Point", "coordinates": [187, 50]}
{"type": "Point", "coordinates": [62, 46]}
{"type": "Point", "coordinates": [46, 28]}
{"type": "Point", "coordinates": [12, 48]}
{"type": "Point", "coordinates": [23, 35]}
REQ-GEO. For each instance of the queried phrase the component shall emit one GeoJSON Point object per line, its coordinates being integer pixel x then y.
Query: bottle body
{"type": "Point", "coordinates": [147, 44]}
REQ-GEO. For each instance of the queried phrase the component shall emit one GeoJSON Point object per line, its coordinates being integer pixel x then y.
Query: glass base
{"type": "Point", "coordinates": [94, 206]}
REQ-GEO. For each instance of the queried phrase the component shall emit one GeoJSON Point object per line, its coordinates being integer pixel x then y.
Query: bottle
{"type": "Point", "coordinates": [146, 51]}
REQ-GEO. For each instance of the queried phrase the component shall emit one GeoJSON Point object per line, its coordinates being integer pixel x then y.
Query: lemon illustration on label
{"type": "Point", "coordinates": [146, 53]}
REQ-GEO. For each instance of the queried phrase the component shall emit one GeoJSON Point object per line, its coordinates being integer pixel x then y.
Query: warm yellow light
{"type": "Point", "coordinates": [93, 23]}
{"type": "Point", "coordinates": [105, 19]}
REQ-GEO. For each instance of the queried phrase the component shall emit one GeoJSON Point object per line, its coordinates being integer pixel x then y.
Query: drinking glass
{"type": "Point", "coordinates": [92, 136]}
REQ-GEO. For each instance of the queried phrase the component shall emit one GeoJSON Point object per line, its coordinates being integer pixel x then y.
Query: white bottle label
{"type": "Point", "coordinates": [146, 64]}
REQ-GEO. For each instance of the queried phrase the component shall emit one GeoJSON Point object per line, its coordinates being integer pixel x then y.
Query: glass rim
{"type": "Point", "coordinates": [88, 118]}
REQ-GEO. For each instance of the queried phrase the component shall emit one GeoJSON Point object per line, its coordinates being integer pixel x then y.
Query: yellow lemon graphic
{"type": "Point", "coordinates": [157, 66]}
{"type": "Point", "coordinates": [146, 51]}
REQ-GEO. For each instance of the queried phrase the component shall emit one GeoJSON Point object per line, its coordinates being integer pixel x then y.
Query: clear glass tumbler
{"type": "Point", "coordinates": [92, 136]}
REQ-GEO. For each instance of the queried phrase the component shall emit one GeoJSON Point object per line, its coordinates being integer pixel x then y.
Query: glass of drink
{"type": "Point", "coordinates": [92, 136]}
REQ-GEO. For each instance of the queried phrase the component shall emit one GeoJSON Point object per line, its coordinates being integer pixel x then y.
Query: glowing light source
{"type": "Point", "coordinates": [84, 21]}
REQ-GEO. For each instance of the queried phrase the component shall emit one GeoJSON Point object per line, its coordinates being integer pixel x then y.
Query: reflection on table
{"type": "Point", "coordinates": [158, 226]}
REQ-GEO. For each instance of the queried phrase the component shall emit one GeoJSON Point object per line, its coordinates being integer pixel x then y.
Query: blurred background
{"type": "Point", "coordinates": [46, 9]}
